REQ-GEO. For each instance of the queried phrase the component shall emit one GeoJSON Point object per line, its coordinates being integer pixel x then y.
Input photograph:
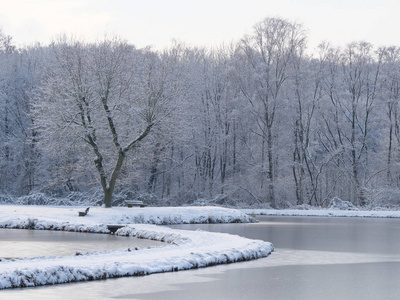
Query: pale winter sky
{"type": "Point", "coordinates": [206, 22]}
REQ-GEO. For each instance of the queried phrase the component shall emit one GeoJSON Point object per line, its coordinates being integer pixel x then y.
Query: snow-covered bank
{"type": "Point", "coordinates": [184, 249]}
{"type": "Point", "coordinates": [323, 213]}
{"type": "Point", "coordinates": [66, 217]}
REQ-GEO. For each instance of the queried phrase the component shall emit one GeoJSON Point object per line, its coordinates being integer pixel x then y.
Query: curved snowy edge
{"type": "Point", "coordinates": [324, 213]}
{"type": "Point", "coordinates": [185, 250]}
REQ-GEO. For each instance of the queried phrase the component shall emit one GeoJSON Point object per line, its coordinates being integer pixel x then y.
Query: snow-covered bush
{"type": "Point", "coordinates": [37, 199]}
{"type": "Point", "coordinates": [340, 204]}
{"type": "Point", "coordinates": [78, 198]}
{"type": "Point", "coordinates": [133, 194]}
{"type": "Point", "coordinates": [72, 199]}
{"type": "Point", "coordinates": [385, 197]}
{"type": "Point", "coordinates": [6, 199]}
{"type": "Point", "coordinates": [303, 207]}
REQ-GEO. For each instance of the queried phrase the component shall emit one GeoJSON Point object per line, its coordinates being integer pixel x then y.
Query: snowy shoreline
{"type": "Point", "coordinates": [66, 217]}
{"type": "Point", "coordinates": [324, 213]}
{"type": "Point", "coordinates": [184, 249]}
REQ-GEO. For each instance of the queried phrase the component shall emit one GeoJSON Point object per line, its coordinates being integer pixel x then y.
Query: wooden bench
{"type": "Point", "coordinates": [84, 213]}
{"type": "Point", "coordinates": [131, 203]}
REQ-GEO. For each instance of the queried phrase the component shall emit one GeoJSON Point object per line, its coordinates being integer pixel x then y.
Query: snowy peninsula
{"type": "Point", "coordinates": [183, 249]}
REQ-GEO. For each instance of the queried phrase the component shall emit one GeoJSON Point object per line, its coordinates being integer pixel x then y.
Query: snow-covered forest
{"type": "Point", "coordinates": [258, 122]}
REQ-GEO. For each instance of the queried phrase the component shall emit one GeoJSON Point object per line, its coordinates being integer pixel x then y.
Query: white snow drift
{"type": "Point", "coordinates": [183, 250]}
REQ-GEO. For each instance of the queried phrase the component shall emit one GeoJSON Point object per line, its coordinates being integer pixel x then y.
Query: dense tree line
{"type": "Point", "coordinates": [257, 122]}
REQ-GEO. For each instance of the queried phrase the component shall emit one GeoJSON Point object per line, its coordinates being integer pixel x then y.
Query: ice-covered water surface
{"type": "Point", "coordinates": [17, 243]}
{"type": "Point", "coordinates": [314, 258]}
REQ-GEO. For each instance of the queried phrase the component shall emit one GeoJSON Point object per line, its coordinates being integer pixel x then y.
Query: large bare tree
{"type": "Point", "coordinates": [107, 95]}
{"type": "Point", "coordinates": [269, 51]}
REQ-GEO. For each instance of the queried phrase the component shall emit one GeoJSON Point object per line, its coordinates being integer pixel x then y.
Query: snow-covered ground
{"type": "Point", "coordinates": [183, 250]}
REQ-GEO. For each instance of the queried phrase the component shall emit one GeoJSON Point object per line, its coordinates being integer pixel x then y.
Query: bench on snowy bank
{"type": "Point", "coordinates": [84, 213]}
{"type": "Point", "coordinates": [131, 203]}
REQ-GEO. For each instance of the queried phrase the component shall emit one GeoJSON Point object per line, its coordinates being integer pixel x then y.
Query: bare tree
{"type": "Point", "coordinates": [360, 77]}
{"type": "Point", "coordinates": [107, 95]}
{"type": "Point", "coordinates": [307, 92]}
{"type": "Point", "coordinates": [274, 43]}
{"type": "Point", "coordinates": [391, 96]}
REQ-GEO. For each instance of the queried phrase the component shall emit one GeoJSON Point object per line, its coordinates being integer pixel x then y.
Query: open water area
{"type": "Point", "coordinates": [314, 258]}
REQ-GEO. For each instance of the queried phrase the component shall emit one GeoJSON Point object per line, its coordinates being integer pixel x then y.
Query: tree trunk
{"type": "Point", "coordinates": [270, 173]}
{"type": "Point", "coordinates": [107, 197]}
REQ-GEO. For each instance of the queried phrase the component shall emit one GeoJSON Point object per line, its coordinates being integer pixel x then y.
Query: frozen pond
{"type": "Point", "coordinates": [33, 243]}
{"type": "Point", "coordinates": [314, 258]}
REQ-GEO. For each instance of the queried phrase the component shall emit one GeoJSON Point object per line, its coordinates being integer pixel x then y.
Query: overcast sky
{"type": "Point", "coordinates": [206, 22]}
